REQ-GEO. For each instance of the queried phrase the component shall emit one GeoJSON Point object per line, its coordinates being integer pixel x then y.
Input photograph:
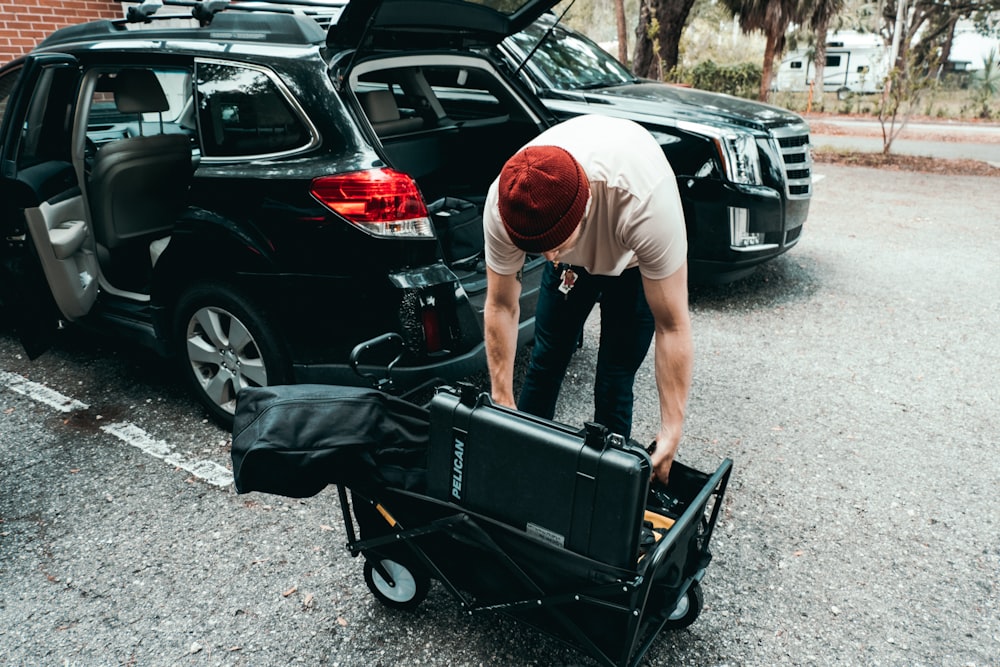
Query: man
{"type": "Point", "coordinates": [597, 198]}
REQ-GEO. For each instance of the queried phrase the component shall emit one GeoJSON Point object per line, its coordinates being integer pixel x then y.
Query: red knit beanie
{"type": "Point", "coordinates": [543, 196]}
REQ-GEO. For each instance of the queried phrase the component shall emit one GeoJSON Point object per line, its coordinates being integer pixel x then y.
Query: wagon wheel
{"type": "Point", "coordinates": [399, 587]}
{"type": "Point", "coordinates": [687, 610]}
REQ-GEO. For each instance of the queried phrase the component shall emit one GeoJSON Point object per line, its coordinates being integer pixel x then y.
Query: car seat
{"type": "Point", "coordinates": [139, 184]}
{"type": "Point", "coordinates": [380, 107]}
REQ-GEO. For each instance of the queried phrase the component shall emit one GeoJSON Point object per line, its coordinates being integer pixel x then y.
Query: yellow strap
{"type": "Point", "coordinates": [385, 514]}
{"type": "Point", "coordinates": [658, 521]}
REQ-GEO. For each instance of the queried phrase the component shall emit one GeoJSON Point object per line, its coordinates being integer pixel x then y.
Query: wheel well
{"type": "Point", "coordinates": [191, 259]}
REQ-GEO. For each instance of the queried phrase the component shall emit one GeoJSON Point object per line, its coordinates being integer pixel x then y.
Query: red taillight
{"type": "Point", "coordinates": [383, 202]}
{"type": "Point", "coordinates": [432, 329]}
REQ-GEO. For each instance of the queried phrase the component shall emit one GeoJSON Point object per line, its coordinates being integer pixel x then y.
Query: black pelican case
{"type": "Point", "coordinates": [581, 489]}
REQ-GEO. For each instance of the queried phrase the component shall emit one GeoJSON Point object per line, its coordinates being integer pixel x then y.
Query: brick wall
{"type": "Point", "coordinates": [24, 23]}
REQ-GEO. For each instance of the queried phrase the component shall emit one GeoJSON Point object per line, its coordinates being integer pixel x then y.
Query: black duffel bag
{"type": "Point", "coordinates": [294, 440]}
{"type": "Point", "coordinates": [459, 228]}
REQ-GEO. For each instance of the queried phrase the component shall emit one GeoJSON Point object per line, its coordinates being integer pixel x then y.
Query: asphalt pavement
{"type": "Point", "coordinates": [854, 382]}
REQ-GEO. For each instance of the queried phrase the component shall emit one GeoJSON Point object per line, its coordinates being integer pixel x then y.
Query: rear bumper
{"type": "Point", "coordinates": [450, 368]}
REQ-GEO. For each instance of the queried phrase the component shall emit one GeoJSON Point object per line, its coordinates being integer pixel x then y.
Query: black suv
{"type": "Point", "coordinates": [743, 168]}
{"type": "Point", "coordinates": [256, 195]}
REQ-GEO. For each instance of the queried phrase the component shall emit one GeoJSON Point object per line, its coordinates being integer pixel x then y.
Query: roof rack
{"type": "Point", "coordinates": [251, 20]}
{"type": "Point", "coordinates": [205, 10]}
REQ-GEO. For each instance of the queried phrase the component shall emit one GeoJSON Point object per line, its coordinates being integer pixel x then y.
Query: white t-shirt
{"type": "Point", "coordinates": [635, 216]}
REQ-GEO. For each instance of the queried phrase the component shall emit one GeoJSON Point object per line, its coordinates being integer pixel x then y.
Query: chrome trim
{"type": "Point", "coordinates": [754, 248]}
{"type": "Point", "coordinates": [794, 146]}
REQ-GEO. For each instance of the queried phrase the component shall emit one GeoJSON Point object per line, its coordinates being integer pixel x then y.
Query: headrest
{"type": "Point", "coordinates": [380, 106]}
{"type": "Point", "coordinates": [105, 84]}
{"type": "Point", "coordinates": [139, 91]}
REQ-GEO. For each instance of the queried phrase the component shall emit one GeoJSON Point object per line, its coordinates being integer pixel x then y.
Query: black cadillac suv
{"type": "Point", "coordinates": [743, 168]}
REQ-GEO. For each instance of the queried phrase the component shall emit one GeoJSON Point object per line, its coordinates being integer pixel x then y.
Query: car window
{"type": "Point", "coordinates": [242, 111]}
{"type": "Point", "coordinates": [106, 123]}
{"type": "Point", "coordinates": [468, 94]}
{"type": "Point", "coordinates": [442, 91]}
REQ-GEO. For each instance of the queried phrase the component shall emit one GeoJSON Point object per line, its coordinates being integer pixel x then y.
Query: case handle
{"type": "Point", "coordinates": [596, 435]}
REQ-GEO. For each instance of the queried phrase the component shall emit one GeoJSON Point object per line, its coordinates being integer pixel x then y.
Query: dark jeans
{"type": "Point", "coordinates": [626, 332]}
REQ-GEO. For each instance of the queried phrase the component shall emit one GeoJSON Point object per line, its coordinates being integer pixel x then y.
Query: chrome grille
{"type": "Point", "coordinates": [793, 140]}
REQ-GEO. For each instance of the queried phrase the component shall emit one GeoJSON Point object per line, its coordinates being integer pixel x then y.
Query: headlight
{"type": "Point", "coordinates": [740, 158]}
{"type": "Point", "coordinates": [737, 151]}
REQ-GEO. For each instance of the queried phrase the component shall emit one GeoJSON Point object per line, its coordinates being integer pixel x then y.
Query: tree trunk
{"type": "Point", "coordinates": [820, 62]}
{"type": "Point", "coordinates": [672, 16]}
{"type": "Point", "coordinates": [949, 40]}
{"type": "Point", "coordinates": [770, 49]}
{"type": "Point", "coordinates": [622, 33]}
{"type": "Point", "coordinates": [659, 53]}
{"type": "Point", "coordinates": [645, 62]}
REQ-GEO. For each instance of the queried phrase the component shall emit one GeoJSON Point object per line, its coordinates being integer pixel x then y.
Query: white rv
{"type": "Point", "coordinates": [855, 63]}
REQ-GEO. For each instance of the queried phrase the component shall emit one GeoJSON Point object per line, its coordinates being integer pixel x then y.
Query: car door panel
{"type": "Point", "coordinates": [51, 252]}
{"type": "Point", "coordinates": [59, 231]}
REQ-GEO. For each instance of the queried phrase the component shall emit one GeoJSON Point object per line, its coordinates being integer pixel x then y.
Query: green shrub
{"type": "Point", "coordinates": [742, 80]}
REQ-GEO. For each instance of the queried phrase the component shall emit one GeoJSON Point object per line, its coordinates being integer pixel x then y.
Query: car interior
{"type": "Point", "coordinates": [137, 170]}
{"type": "Point", "coordinates": [58, 225]}
{"type": "Point", "coordinates": [138, 184]}
{"type": "Point", "coordinates": [450, 123]}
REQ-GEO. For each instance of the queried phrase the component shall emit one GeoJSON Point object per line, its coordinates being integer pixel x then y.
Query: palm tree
{"type": "Point", "coordinates": [772, 17]}
{"type": "Point", "coordinates": [823, 12]}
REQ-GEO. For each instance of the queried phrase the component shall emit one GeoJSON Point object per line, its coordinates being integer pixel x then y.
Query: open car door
{"type": "Point", "coordinates": [48, 252]}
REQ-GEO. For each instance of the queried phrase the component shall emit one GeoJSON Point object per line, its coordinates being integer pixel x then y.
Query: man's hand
{"type": "Point", "coordinates": [663, 455]}
{"type": "Point", "coordinates": [506, 401]}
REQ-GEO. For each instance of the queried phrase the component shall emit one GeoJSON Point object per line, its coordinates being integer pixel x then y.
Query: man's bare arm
{"type": "Point", "coordinates": [674, 354]}
{"type": "Point", "coordinates": [501, 315]}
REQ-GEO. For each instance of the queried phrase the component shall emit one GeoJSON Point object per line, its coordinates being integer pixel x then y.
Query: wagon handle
{"type": "Point", "coordinates": [391, 338]}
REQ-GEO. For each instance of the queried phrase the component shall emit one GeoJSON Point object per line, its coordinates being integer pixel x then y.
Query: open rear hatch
{"type": "Point", "coordinates": [429, 24]}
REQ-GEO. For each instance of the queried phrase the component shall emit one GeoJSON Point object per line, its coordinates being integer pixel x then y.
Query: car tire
{"type": "Point", "coordinates": [223, 344]}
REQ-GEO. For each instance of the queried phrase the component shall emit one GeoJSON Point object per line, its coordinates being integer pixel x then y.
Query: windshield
{"type": "Point", "coordinates": [567, 60]}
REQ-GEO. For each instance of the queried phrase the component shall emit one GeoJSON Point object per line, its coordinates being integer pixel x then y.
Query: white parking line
{"type": "Point", "coordinates": [130, 434]}
{"type": "Point", "coordinates": [40, 393]}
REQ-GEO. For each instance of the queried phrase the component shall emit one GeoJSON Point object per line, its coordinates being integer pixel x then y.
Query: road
{"type": "Point", "coordinates": [951, 140]}
{"type": "Point", "coordinates": [854, 382]}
